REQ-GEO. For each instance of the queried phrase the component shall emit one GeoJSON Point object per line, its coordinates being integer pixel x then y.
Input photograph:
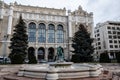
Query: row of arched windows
{"type": "Point", "coordinates": [42, 33]}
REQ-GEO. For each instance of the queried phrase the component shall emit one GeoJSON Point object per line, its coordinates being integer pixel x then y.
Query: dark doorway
{"type": "Point", "coordinates": [51, 54]}
{"type": "Point", "coordinates": [31, 56]}
{"type": "Point", "coordinates": [41, 54]}
{"type": "Point", "coordinates": [31, 50]}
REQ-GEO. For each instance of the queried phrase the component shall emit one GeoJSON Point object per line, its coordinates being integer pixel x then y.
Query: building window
{"type": "Point", "coordinates": [118, 37]}
{"type": "Point", "coordinates": [110, 36]}
{"type": "Point", "coordinates": [98, 30]}
{"type": "Point", "coordinates": [42, 33]}
{"type": "Point", "coordinates": [60, 34]}
{"type": "Point", "coordinates": [116, 46]}
{"type": "Point", "coordinates": [115, 41]}
{"type": "Point", "coordinates": [118, 32]}
{"type": "Point", "coordinates": [98, 43]}
{"type": "Point", "coordinates": [98, 39]}
{"type": "Point", "coordinates": [114, 37]}
{"type": "Point", "coordinates": [110, 41]}
{"type": "Point", "coordinates": [109, 32]}
{"type": "Point", "coordinates": [108, 27]}
{"type": "Point", "coordinates": [111, 46]}
{"type": "Point", "coordinates": [98, 34]}
{"type": "Point", "coordinates": [51, 33]}
{"type": "Point", "coordinates": [113, 28]}
{"type": "Point", "coordinates": [99, 47]}
{"type": "Point", "coordinates": [114, 32]}
{"type": "Point", "coordinates": [32, 32]}
{"type": "Point", "coordinates": [95, 35]}
{"type": "Point", "coordinates": [118, 28]}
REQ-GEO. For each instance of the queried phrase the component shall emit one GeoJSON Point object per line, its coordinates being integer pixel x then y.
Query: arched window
{"type": "Point", "coordinates": [51, 33]}
{"type": "Point", "coordinates": [60, 34]}
{"type": "Point", "coordinates": [42, 33]}
{"type": "Point", "coordinates": [32, 32]}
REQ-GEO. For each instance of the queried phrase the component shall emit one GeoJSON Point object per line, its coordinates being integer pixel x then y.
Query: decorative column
{"type": "Point", "coordinates": [46, 53]}
{"type": "Point", "coordinates": [69, 23]}
{"type": "Point", "coordinates": [36, 53]}
{"type": "Point", "coordinates": [2, 11]}
{"type": "Point", "coordinates": [36, 43]}
{"type": "Point", "coordinates": [56, 44]}
{"type": "Point", "coordinates": [10, 18]}
{"type": "Point", "coordinates": [46, 44]}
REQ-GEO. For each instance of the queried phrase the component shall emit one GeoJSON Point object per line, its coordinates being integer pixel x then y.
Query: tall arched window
{"type": "Point", "coordinates": [51, 33]}
{"type": "Point", "coordinates": [42, 33]}
{"type": "Point", "coordinates": [60, 34]}
{"type": "Point", "coordinates": [32, 32]}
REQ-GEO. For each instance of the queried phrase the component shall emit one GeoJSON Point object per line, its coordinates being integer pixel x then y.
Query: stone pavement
{"type": "Point", "coordinates": [111, 72]}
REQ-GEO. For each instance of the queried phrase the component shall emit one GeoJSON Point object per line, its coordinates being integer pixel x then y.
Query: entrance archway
{"type": "Point", "coordinates": [31, 50]}
{"type": "Point", "coordinates": [50, 54]}
{"type": "Point", "coordinates": [41, 53]}
{"type": "Point", "coordinates": [31, 54]}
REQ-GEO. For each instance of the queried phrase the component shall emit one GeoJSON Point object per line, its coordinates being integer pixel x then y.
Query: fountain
{"type": "Point", "coordinates": [60, 70]}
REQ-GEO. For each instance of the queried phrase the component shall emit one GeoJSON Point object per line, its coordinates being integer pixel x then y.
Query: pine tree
{"type": "Point", "coordinates": [82, 45]}
{"type": "Point", "coordinates": [19, 43]}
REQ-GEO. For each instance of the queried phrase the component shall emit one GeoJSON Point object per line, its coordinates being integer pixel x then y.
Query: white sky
{"type": "Point", "coordinates": [103, 10]}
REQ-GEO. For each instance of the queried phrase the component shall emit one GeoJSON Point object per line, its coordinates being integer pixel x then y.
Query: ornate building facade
{"type": "Point", "coordinates": [48, 28]}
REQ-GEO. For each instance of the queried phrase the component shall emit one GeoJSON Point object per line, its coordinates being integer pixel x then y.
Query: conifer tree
{"type": "Point", "coordinates": [82, 45]}
{"type": "Point", "coordinates": [19, 43]}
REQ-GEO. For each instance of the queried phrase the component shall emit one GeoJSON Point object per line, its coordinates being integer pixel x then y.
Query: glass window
{"type": "Point", "coordinates": [109, 32]}
{"type": "Point", "coordinates": [98, 39]}
{"type": "Point", "coordinates": [111, 46]}
{"type": "Point", "coordinates": [118, 32]}
{"type": "Point", "coordinates": [108, 27]}
{"type": "Point", "coordinates": [98, 43]}
{"type": "Point", "coordinates": [110, 36]}
{"type": "Point", "coordinates": [110, 41]}
{"type": "Point", "coordinates": [32, 32]}
{"type": "Point", "coordinates": [118, 28]}
{"type": "Point", "coordinates": [98, 34]}
{"type": "Point", "coordinates": [98, 30]}
{"type": "Point", "coordinates": [99, 47]}
{"type": "Point", "coordinates": [42, 33]}
{"type": "Point", "coordinates": [51, 33]}
{"type": "Point", "coordinates": [60, 34]}
{"type": "Point", "coordinates": [114, 32]}
{"type": "Point", "coordinates": [115, 41]}
{"type": "Point", "coordinates": [114, 37]}
{"type": "Point", "coordinates": [116, 46]}
{"type": "Point", "coordinates": [118, 37]}
{"type": "Point", "coordinates": [113, 28]}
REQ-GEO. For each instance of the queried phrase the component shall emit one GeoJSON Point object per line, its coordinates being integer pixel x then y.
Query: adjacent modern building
{"type": "Point", "coordinates": [107, 38]}
{"type": "Point", "coordinates": [47, 28]}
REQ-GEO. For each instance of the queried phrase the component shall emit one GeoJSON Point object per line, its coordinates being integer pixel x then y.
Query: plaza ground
{"type": "Point", "coordinates": [111, 72]}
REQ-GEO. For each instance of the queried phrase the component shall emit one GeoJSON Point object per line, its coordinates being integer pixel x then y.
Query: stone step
{"type": "Point", "coordinates": [10, 78]}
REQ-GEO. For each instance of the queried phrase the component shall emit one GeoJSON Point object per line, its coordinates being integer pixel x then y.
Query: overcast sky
{"type": "Point", "coordinates": [103, 10]}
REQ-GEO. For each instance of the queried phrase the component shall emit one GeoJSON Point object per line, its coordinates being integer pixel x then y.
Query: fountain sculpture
{"type": "Point", "coordinates": [60, 69]}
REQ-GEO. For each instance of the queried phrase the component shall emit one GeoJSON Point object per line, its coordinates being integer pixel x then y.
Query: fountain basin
{"type": "Point", "coordinates": [63, 70]}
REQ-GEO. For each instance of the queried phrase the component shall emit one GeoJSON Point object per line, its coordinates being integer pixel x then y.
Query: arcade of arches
{"type": "Point", "coordinates": [42, 55]}
{"type": "Point", "coordinates": [50, 34]}
{"type": "Point", "coordinates": [45, 34]}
